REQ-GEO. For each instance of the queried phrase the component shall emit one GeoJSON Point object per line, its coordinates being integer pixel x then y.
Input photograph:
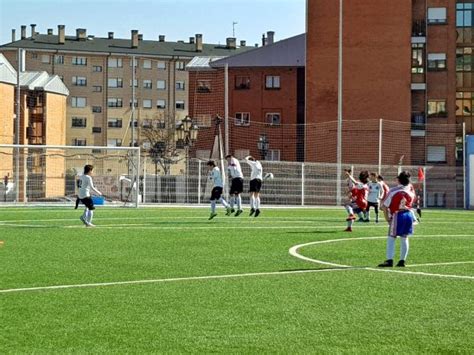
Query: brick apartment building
{"type": "Point", "coordinates": [42, 121]}
{"type": "Point", "coordinates": [98, 73]}
{"type": "Point", "coordinates": [265, 99]}
{"type": "Point", "coordinates": [407, 62]}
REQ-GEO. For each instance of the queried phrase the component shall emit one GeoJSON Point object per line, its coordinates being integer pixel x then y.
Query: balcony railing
{"type": "Point", "coordinates": [418, 121]}
{"type": "Point", "coordinates": [418, 28]}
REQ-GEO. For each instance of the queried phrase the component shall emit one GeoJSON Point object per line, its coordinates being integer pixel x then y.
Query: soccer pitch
{"type": "Point", "coordinates": [290, 281]}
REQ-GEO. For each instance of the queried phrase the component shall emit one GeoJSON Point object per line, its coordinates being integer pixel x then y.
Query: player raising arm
{"type": "Point", "coordinates": [358, 200]}
{"type": "Point", "coordinates": [256, 177]}
{"type": "Point", "coordinates": [217, 189]}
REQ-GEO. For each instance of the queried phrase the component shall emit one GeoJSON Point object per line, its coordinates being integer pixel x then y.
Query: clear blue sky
{"type": "Point", "coordinates": [177, 19]}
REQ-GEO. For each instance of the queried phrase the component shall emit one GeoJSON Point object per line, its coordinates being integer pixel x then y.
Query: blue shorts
{"type": "Point", "coordinates": [401, 224]}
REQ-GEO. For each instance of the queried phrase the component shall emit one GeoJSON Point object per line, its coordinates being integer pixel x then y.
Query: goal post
{"type": "Point", "coordinates": [47, 174]}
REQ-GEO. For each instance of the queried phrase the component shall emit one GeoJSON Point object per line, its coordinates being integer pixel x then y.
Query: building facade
{"type": "Point", "coordinates": [103, 74]}
{"type": "Point", "coordinates": [265, 100]}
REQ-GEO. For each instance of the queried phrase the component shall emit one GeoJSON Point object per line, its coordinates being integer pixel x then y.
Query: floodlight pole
{"type": "Point", "coordinates": [339, 109]}
{"type": "Point", "coordinates": [226, 107]}
{"type": "Point", "coordinates": [17, 127]}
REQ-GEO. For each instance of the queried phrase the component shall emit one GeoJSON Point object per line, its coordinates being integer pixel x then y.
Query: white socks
{"type": "Point", "coordinates": [391, 247]}
{"type": "Point", "coordinates": [404, 246]}
{"type": "Point", "coordinates": [213, 206]}
{"type": "Point", "coordinates": [239, 202]}
{"type": "Point", "coordinates": [349, 209]}
{"type": "Point", "coordinates": [224, 203]}
{"type": "Point", "coordinates": [257, 203]}
{"type": "Point", "coordinates": [252, 202]}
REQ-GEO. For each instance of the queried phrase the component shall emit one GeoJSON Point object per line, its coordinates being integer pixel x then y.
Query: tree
{"type": "Point", "coordinates": [162, 149]}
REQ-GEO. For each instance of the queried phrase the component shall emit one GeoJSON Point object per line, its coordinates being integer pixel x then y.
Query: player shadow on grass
{"type": "Point", "coordinates": [325, 268]}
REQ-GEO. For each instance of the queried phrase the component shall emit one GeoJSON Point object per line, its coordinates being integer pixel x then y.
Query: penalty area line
{"type": "Point", "coordinates": [175, 279]}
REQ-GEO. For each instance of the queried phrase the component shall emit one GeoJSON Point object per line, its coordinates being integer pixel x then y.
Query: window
{"type": "Point", "coordinates": [161, 104]}
{"type": "Point", "coordinates": [114, 123]}
{"type": "Point", "coordinates": [114, 142]}
{"type": "Point", "coordinates": [58, 59]}
{"type": "Point", "coordinates": [114, 102]}
{"type": "Point", "coordinates": [34, 55]}
{"type": "Point", "coordinates": [97, 68]}
{"type": "Point", "coordinates": [242, 82]}
{"type": "Point", "coordinates": [464, 103]}
{"type": "Point", "coordinates": [161, 65]}
{"type": "Point", "coordinates": [147, 124]}
{"type": "Point", "coordinates": [161, 84]}
{"type": "Point", "coordinates": [436, 154]}
{"type": "Point", "coordinates": [147, 104]}
{"type": "Point", "coordinates": [464, 14]}
{"type": "Point", "coordinates": [180, 85]}
{"type": "Point", "coordinates": [114, 63]}
{"type": "Point", "coordinates": [135, 102]}
{"type": "Point", "coordinates": [45, 58]}
{"type": "Point", "coordinates": [204, 86]}
{"type": "Point", "coordinates": [79, 122]}
{"type": "Point", "coordinates": [146, 64]}
{"type": "Point", "coordinates": [242, 119]}
{"type": "Point", "coordinates": [147, 84]}
{"type": "Point", "coordinates": [96, 129]}
{"type": "Point", "coordinates": [436, 15]}
{"type": "Point", "coordinates": [146, 145]}
{"type": "Point", "coordinates": [436, 61]}
{"type": "Point", "coordinates": [78, 101]}
{"type": "Point", "coordinates": [97, 88]}
{"type": "Point", "coordinates": [79, 142]}
{"type": "Point", "coordinates": [160, 124]}
{"type": "Point", "coordinates": [115, 83]}
{"type": "Point", "coordinates": [135, 83]}
{"type": "Point", "coordinates": [180, 65]}
{"type": "Point", "coordinates": [417, 64]}
{"type": "Point", "coordinates": [180, 105]}
{"type": "Point", "coordinates": [132, 62]}
{"type": "Point", "coordinates": [273, 118]}
{"type": "Point", "coordinates": [273, 155]}
{"type": "Point", "coordinates": [272, 82]}
{"type": "Point", "coordinates": [135, 123]}
{"type": "Point", "coordinates": [97, 109]}
{"type": "Point", "coordinates": [204, 120]}
{"type": "Point", "coordinates": [79, 61]}
{"type": "Point", "coordinates": [437, 108]}
{"type": "Point", "coordinates": [79, 81]}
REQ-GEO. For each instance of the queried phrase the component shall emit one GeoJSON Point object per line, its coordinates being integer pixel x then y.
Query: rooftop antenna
{"type": "Point", "coordinates": [233, 28]}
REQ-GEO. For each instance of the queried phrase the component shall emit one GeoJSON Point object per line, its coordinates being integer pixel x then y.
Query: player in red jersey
{"type": "Point", "coordinates": [397, 210]}
{"type": "Point", "coordinates": [358, 201]}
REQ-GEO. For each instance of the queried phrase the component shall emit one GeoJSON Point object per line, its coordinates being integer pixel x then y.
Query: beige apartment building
{"type": "Point", "coordinates": [99, 74]}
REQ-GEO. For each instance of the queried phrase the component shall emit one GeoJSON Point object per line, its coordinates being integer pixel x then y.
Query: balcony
{"type": "Point", "coordinates": [418, 31]}
{"type": "Point", "coordinates": [418, 124]}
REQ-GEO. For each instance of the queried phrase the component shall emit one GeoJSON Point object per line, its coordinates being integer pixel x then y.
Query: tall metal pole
{"type": "Point", "coordinates": [464, 166]}
{"type": "Point", "coordinates": [17, 126]}
{"type": "Point", "coordinates": [339, 109]}
{"type": "Point", "coordinates": [380, 144]}
{"type": "Point", "coordinates": [226, 107]}
{"type": "Point", "coordinates": [133, 101]}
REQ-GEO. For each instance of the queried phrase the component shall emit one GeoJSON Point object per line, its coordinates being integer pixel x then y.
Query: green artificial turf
{"type": "Point", "coordinates": [275, 302]}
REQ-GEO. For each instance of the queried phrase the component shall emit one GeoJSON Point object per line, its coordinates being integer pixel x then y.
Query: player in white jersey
{"type": "Point", "coordinates": [237, 183]}
{"type": "Point", "coordinates": [256, 177]}
{"type": "Point", "coordinates": [375, 194]}
{"type": "Point", "coordinates": [217, 189]}
{"type": "Point", "coordinates": [86, 185]}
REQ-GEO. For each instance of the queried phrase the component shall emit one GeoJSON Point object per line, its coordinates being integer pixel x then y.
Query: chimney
{"type": "Point", "coordinates": [23, 31]}
{"type": "Point", "coordinates": [33, 31]}
{"type": "Point", "coordinates": [111, 35]}
{"type": "Point", "coordinates": [231, 42]}
{"type": "Point", "coordinates": [61, 34]}
{"type": "Point", "coordinates": [256, 45]}
{"type": "Point", "coordinates": [243, 43]}
{"type": "Point", "coordinates": [140, 37]}
{"type": "Point", "coordinates": [191, 40]}
{"type": "Point", "coordinates": [13, 35]}
{"type": "Point", "coordinates": [198, 44]}
{"type": "Point", "coordinates": [161, 38]}
{"type": "Point", "coordinates": [81, 34]}
{"type": "Point", "coordinates": [270, 37]}
{"type": "Point", "coordinates": [134, 39]}
{"type": "Point", "coordinates": [50, 31]}
{"type": "Point", "coordinates": [264, 40]}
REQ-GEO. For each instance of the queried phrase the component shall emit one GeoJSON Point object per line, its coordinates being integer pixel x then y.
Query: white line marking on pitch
{"type": "Point", "coordinates": [176, 279]}
{"type": "Point", "coordinates": [441, 264]}
{"type": "Point", "coordinates": [294, 252]}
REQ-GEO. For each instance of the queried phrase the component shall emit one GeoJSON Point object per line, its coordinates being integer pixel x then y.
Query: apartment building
{"type": "Point", "coordinates": [265, 99]}
{"type": "Point", "coordinates": [103, 74]}
{"type": "Point", "coordinates": [406, 62]}
{"type": "Point", "coordinates": [42, 122]}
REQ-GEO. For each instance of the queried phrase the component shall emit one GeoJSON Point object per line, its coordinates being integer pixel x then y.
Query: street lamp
{"type": "Point", "coordinates": [263, 145]}
{"type": "Point", "coordinates": [187, 132]}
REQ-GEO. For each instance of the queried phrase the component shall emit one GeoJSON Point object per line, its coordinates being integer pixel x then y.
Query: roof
{"type": "Point", "coordinates": [122, 46]}
{"type": "Point", "coordinates": [201, 63]}
{"type": "Point", "coordinates": [32, 80]}
{"type": "Point", "coordinates": [289, 52]}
